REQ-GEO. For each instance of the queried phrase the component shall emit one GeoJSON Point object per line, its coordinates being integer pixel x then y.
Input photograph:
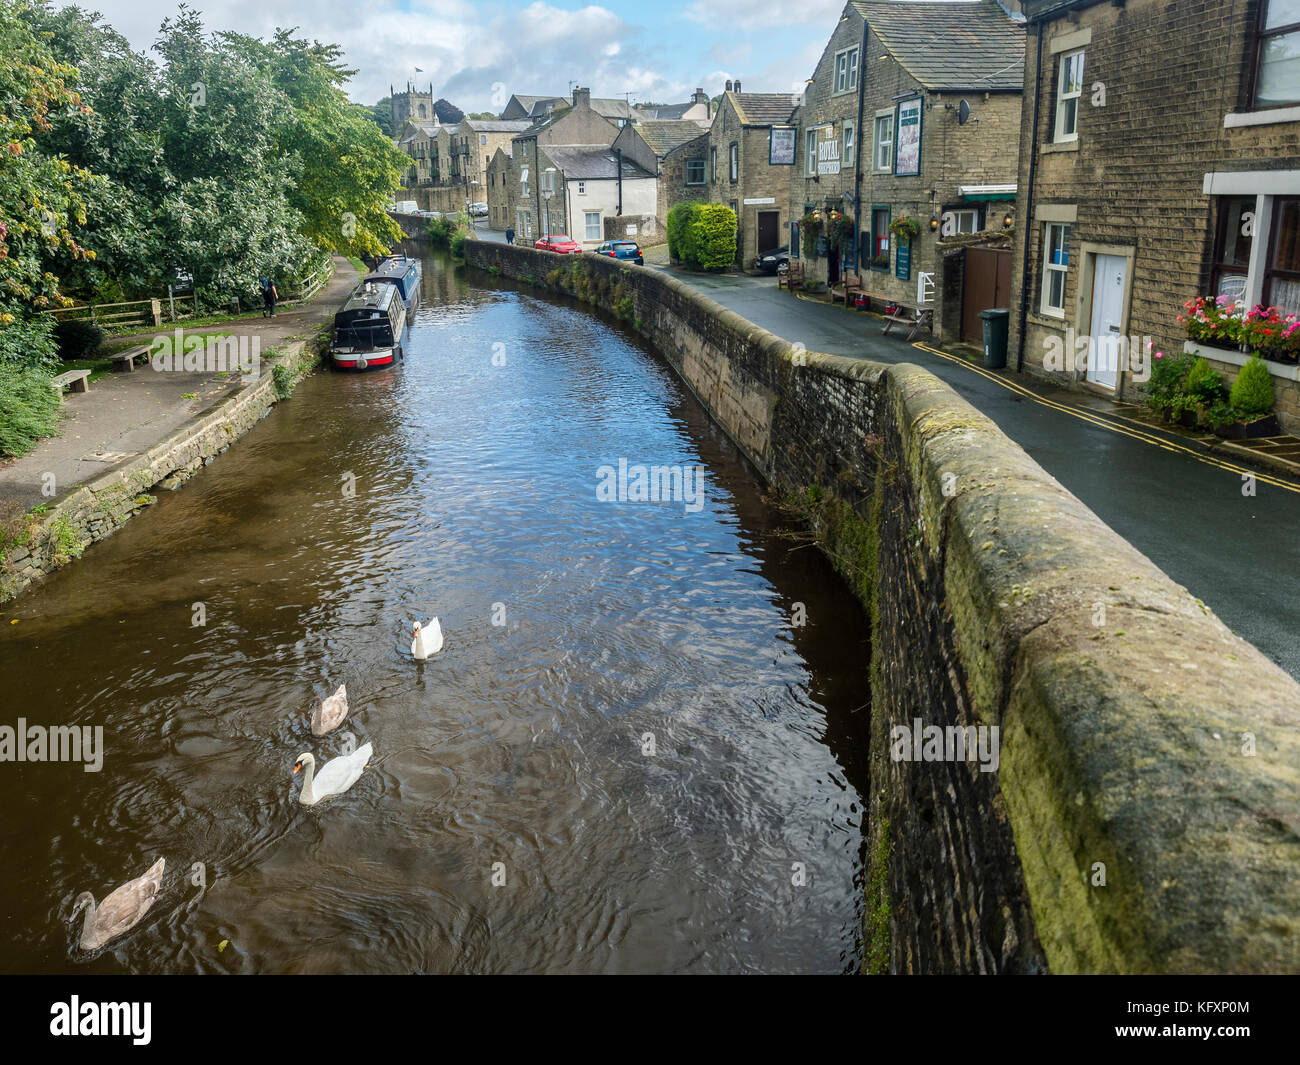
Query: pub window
{"type": "Point", "coordinates": [810, 153]}
{"type": "Point", "coordinates": [1282, 278]}
{"type": "Point", "coordinates": [884, 143]}
{"type": "Point", "coordinates": [880, 238]}
{"type": "Point", "coordinates": [849, 130]}
{"type": "Point", "coordinates": [1277, 45]}
{"type": "Point", "coordinates": [1232, 245]}
{"type": "Point", "coordinates": [846, 70]}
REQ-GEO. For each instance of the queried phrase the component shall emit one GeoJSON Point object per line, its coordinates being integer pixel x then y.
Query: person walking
{"type": "Point", "coordinates": [269, 296]}
{"type": "Point", "coordinates": [510, 236]}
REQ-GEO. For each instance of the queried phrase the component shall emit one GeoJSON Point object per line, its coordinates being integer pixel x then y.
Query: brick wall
{"type": "Point", "coordinates": [936, 520]}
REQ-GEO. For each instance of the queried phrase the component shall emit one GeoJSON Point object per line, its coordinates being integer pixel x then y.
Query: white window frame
{"type": "Point", "coordinates": [848, 134]}
{"type": "Point", "coordinates": [587, 216]}
{"type": "Point", "coordinates": [582, 188]}
{"type": "Point", "coordinates": [846, 71]}
{"type": "Point", "coordinates": [1064, 96]}
{"type": "Point", "coordinates": [733, 161]}
{"type": "Point", "coordinates": [887, 165]}
{"type": "Point", "coordinates": [810, 152]}
{"type": "Point", "coordinates": [523, 179]}
{"type": "Point", "coordinates": [960, 212]}
{"type": "Point", "coordinates": [1050, 268]}
{"type": "Point", "coordinates": [482, 138]}
{"type": "Point", "coordinates": [713, 163]}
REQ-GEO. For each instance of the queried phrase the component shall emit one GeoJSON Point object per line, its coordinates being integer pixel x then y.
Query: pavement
{"type": "Point", "coordinates": [125, 414]}
{"type": "Point", "coordinates": [1225, 528]}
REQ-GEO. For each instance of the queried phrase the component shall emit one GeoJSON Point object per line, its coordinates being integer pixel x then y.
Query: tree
{"type": "Point", "coordinates": [381, 114]}
{"type": "Point", "coordinates": [447, 112]}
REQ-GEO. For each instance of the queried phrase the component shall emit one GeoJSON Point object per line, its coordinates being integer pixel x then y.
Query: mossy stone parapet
{"type": "Point", "coordinates": [1145, 812]}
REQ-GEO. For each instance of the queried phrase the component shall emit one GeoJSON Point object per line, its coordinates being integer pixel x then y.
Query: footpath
{"type": "Point", "coordinates": [124, 415]}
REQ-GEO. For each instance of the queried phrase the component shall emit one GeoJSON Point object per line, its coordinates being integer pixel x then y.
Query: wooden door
{"type": "Point", "coordinates": [987, 284]}
{"type": "Point", "coordinates": [768, 228]}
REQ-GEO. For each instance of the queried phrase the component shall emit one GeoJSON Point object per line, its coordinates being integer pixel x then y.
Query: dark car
{"type": "Point", "coordinates": [771, 262]}
{"type": "Point", "coordinates": [560, 242]}
{"type": "Point", "coordinates": [622, 249]}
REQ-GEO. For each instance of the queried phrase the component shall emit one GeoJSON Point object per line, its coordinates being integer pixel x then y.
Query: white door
{"type": "Point", "coordinates": [1105, 350]}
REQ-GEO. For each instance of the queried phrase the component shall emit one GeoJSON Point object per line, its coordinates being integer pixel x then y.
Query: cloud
{"type": "Point", "coordinates": [762, 14]}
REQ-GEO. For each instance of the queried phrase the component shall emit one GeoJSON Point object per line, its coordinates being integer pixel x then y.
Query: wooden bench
{"type": "Point", "coordinates": [917, 318]}
{"type": "Point", "coordinates": [124, 361]}
{"type": "Point", "coordinates": [792, 276]}
{"type": "Point", "coordinates": [79, 380]}
{"type": "Point", "coordinates": [848, 285]}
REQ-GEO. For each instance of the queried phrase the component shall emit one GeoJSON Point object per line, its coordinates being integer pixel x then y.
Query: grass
{"type": "Point", "coordinates": [29, 410]}
{"type": "Point", "coordinates": [98, 368]}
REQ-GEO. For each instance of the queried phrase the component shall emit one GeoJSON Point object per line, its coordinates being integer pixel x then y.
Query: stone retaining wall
{"type": "Point", "coordinates": [1145, 813]}
{"type": "Point", "coordinates": [91, 511]}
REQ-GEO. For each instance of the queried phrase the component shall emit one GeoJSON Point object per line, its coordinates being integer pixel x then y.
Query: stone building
{"type": "Point", "coordinates": [576, 125]}
{"type": "Point", "coordinates": [738, 163]}
{"type": "Point", "coordinates": [412, 105]}
{"type": "Point", "coordinates": [909, 130]}
{"type": "Point", "coordinates": [649, 143]}
{"type": "Point", "coordinates": [586, 191]}
{"type": "Point", "coordinates": [697, 109]}
{"type": "Point", "coordinates": [471, 145]}
{"type": "Point", "coordinates": [419, 141]}
{"type": "Point", "coordinates": [1161, 162]}
{"type": "Point", "coordinates": [538, 108]}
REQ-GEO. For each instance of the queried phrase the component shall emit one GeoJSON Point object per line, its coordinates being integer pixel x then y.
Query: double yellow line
{"type": "Point", "coordinates": [1105, 423]}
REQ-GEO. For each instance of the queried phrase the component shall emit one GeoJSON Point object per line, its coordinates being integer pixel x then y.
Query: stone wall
{"type": "Point", "coordinates": [1126, 828]}
{"type": "Point", "coordinates": [94, 510]}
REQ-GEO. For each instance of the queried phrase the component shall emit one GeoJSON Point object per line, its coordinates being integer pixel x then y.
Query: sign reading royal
{"type": "Point", "coordinates": [828, 151]}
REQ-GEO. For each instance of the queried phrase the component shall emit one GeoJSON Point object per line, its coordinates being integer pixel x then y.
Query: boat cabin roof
{"type": "Point", "coordinates": [369, 297]}
{"type": "Point", "coordinates": [391, 269]}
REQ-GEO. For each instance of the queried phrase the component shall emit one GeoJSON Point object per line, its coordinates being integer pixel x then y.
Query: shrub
{"type": "Point", "coordinates": [714, 232]}
{"type": "Point", "coordinates": [1203, 384]}
{"type": "Point", "coordinates": [680, 217]}
{"type": "Point", "coordinates": [440, 230]}
{"type": "Point", "coordinates": [28, 343]}
{"type": "Point", "coordinates": [1165, 384]}
{"type": "Point", "coordinates": [77, 339]}
{"type": "Point", "coordinates": [1252, 392]}
{"type": "Point", "coordinates": [457, 244]}
{"type": "Point", "coordinates": [29, 408]}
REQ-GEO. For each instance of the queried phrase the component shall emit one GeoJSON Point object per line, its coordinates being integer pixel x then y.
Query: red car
{"type": "Point", "coordinates": [559, 242]}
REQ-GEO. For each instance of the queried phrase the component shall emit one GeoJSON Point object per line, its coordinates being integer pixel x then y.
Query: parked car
{"type": "Point", "coordinates": [478, 210]}
{"type": "Point", "coordinates": [622, 249]}
{"type": "Point", "coordinates": [428, 214]}
{"type": "Point", "coordinates": [559, 242]}
{"type": "Point", "coordinates": [773, 262]}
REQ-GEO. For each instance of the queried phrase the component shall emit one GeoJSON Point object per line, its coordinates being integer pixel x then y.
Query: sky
{"type": "Point", "coordinates": [477, 54]}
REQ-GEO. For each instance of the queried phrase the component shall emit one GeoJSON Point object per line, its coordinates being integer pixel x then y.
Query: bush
{"type": "Point", "coordinates": [77, 339]}
{"type": "Point", "coordinates": [440, 230]}
{"type": "Point", "coordinates": [1165, 384]}
{"type": "Point", "coordinates": [458, 244]}
{"type": "Point", "coordinates": [714, 231]}
{"type": "Point", "coordinates": [1203, 384]}
{"type": "Point", "coordinates": [29, 408]}
{"type": "Point", "coordinates": [28, 343]}
{"type": "Point", "coordinates": [1252, 392]}
{"type": "Point", "coordinates": [680, 217]}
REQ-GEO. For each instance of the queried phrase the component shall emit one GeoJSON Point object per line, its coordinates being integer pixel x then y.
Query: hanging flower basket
{"type": "Point", "coordinates": [810, 230]}
{"type": "Point", "coordinates": [840, 231]}
{"type": "Point", "coordinates": [905, 227]}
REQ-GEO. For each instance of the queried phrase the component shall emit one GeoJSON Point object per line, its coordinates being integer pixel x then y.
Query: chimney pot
{"type": "Point", "coordinates": [582, 97]}
{"type": "Point", "coordinates": [737, 85]}
{"type": "Point", "coordinates": [728, 85]}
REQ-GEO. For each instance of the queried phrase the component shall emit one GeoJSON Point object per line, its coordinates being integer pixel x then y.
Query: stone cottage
{"type": "Point", "coordinates": [1142, 188]}
{"type": "Point", "coordinates": [909, 131]}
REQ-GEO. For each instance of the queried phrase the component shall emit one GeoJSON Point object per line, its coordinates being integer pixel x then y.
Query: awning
{"type": "Point", "coordinates": [987, 193]}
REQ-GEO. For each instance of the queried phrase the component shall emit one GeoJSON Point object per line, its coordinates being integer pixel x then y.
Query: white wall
{"type": "Point", "coordinates": [602, 197]}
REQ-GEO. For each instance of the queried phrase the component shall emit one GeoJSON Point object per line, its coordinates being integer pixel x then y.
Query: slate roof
{"type": "Point", "coordinates": [529, 103]}
{"type": "Point", "coordinates": [592, 164]}
{"type": "Point", "coordinates": [762, 108]}
{"type": "Point", "coordinates": [664, 136]}
{"type": "Point", "coordinates": [951, 44]}
{"type": "Point", "coordinates": [496, 125]}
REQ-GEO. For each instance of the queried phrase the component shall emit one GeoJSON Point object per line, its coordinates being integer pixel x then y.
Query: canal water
{"type": "Point", "coordinates": [627, 758]}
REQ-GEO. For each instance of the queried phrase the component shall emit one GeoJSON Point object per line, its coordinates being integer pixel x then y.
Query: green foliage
{"type": "Point", "coordinates": [28, 343]}
{"type": "Point", "coordinates": [875, 931]}
{"type": "Point", "coordinates": [284, 380]}
{"type": "Point", "coordinates": [439, 230]}
{"type": "Point", "coordinates": [77, 339]}
{"type": "Point", "coordinates": [29, 408]}
{"type": "Point", "coordinates": [714, 237]}
{"type": "Point", "coordinates": [65, 541]}
{"type": "Point", "coordinates": [810, 231]}
{"type": "Point", "coordinates": [1203, 385]}
{"type": "Point", "coordinates": [457, 244]}
{"type": "Point", "coordinates": [1165, 384]}
{"type": "Point", "coordinates": [680, 217]}
{"type": "Point", "coordinates": [1252, 393]}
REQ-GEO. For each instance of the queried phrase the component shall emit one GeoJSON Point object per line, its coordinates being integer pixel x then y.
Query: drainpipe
{"type": "Point", "coordinates": [618, 165]}
{"type": "Point", "coordinates": [857, 150]}
{"type": "Point", "coordinates": [1027, 225]}
{"type": "Point", "coordinates": [537, 178]}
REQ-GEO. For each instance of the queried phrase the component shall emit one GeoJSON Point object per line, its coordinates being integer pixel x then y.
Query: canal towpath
{"type": "Point", "coordinates": [123, 415]}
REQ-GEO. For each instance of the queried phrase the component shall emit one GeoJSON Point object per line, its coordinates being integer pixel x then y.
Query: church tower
{"type": "Point", "coordinates": [413, 106]}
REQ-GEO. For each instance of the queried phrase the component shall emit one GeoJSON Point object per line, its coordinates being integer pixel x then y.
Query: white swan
{"type": "Point", "coordinates": [121, 911]}
{"type": "Point", "coordinates": [329, 713]}
{"type": "Point", "coordinates": [336, 775]}
{"type": "Point", "coordinates": [428, 639]}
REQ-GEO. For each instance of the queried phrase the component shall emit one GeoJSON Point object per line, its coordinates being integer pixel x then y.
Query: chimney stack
{"type": "Point", "coordinates": [728, 89]}
{"type": "Point", "coordinates": [699, 97]}
{"type": "Point", "coordinates": [737, 85]}
{"type": "Point", "coordinates": [581, 97]}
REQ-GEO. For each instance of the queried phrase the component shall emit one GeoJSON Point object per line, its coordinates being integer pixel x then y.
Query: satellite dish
{"type": "Point", "coordinates": [963, 113]}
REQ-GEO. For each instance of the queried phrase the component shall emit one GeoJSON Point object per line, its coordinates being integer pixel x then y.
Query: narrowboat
{"type": "Point", "coordinates": [401, 271]}
{"type": "Point", "coordinates": [368, 328]}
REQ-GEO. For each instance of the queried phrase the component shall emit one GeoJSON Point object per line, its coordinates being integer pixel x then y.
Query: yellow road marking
{"type": "Point", "coordinates": [1098, 420]}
